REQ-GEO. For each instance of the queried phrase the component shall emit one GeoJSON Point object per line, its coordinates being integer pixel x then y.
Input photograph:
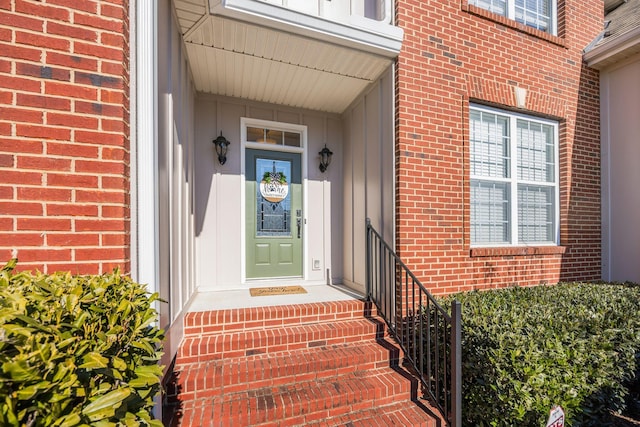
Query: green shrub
{"type": "Point", "coordinates": [77, 350]}
{"type": "Point", "coordinates": [528, 349]}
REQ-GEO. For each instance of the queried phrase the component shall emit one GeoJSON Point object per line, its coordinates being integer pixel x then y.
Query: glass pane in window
{"type": "Point", "coordinates": [534, 13]}
{"type": "Point", "coordinates": [264, 136]}
{"type": "Point", "coordinates": [536, 152]}
{"type": "Point", "coordinates": [254, 134]}
{"type": "Point", "coordinates": [292, 139]}
{"type": "Point", "coordinates": [495, 6]}
{"type": "Point", "coordinates": [489, 134]}
{"type": "Point", "coordinates": [490, 211]}
{"type": "Point", "coordinates": [536, 214]}
{"type": "Point", "coordinates": [273, 136]}
{"type": "Point", "coordinates": [273, 198]}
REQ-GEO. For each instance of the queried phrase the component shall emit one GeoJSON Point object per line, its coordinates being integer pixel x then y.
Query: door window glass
{"type": "Point", "coordinates": [273, 198]}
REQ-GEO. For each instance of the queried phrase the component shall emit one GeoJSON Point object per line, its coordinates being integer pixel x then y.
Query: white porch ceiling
{"type": "Point", "coordinates": [241, 59]}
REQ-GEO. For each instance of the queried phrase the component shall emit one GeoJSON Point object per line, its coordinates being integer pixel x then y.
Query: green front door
{"type": "Point", "coordinates": [273, 214]}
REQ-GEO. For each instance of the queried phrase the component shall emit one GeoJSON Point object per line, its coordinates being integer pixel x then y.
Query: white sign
{"type": "Point", "coordinates": [274, 191]}
{"type": "Point", "coordinates": [556, 417]}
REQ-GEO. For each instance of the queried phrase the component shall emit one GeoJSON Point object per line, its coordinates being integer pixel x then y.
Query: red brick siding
{"type": "Point", "coordinates": [64, 134]}
{"type": "Point", "coordinates": [452, 55]}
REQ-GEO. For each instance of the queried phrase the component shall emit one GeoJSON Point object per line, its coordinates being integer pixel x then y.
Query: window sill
{"type": "Point", "coordinates": [500, 19]}
{"type": "Point", "coordinates": [517, 251]}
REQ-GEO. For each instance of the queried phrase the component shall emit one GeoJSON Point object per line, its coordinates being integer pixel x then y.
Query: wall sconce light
{"type": "Point", "coordinates": [221, 144]}
{"type": "Point", "coordinates": [325, 158]}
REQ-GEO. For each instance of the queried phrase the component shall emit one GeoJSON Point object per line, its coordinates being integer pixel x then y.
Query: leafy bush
{"type": "Point", "coordinates": [528, 349]}
{"type": "Point", "coordinates": [77, 350]}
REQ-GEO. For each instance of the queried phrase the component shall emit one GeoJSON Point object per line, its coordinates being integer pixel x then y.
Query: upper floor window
{"type": "Point", "coordinates": [514, 178]}
{"type": "Point", "coordinates": [540, 14]}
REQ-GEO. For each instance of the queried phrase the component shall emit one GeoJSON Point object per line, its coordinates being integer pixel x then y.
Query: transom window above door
{"type": "Point", "coordinates": [273, 136]}
{"type": "Point", "coordinates": [539, 14]}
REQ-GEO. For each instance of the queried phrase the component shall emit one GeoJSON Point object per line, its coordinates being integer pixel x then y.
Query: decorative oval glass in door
{"type": "Point", "coordinates": [273, 201]}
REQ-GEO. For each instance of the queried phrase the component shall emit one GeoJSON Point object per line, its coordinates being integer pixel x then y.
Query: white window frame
{"type": "Point", "coordinates": [510, 12]}
{"type": "Point", "coordinates": [513, 181]}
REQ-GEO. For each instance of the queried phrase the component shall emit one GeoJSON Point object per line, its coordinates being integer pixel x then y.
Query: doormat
{"type": "Point", "coordinates": [277, 290]}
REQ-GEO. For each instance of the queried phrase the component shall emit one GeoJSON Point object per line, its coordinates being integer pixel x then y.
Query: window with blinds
{"type": "Point", "coordinates": [540, 14]}
{"type": "Point", "coordinates": [514, 178]}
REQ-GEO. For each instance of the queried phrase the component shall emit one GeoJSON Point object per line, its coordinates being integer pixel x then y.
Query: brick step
{"type": "Point", "coordinates": [324, 364]}
{"type": "Point", "coordinates": [400, 414]}
{"type": "Point", "coordinates": [288, 338]}
{"type": "Point", "coordinates": [198, 380]}
{"type": "Point", "coordinates": [222, 321]}
{"type": "Point", "coordinates": [302, 402]}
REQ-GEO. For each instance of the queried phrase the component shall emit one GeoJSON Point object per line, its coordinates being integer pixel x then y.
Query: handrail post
{"type": "Point", "coordinates": [456, 364]}
{"type": "Point", "coordinates": [368, 261]}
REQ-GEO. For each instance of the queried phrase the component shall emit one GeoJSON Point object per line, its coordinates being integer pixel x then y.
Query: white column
{"type": "Point", "coordinates": [144, 227]}
{"type": "Point", "coordinates": [144, 157]}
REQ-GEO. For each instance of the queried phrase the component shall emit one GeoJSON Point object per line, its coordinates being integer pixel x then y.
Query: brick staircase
{"type": "Point", "coordinates": [320, 364]}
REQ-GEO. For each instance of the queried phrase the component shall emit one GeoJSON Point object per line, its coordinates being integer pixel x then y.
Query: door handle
{"type": "Point", "coordinates": [298, 223]}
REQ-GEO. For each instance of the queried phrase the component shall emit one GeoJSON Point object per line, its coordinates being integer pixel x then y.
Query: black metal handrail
{"type": "Point", "coordinates": [429, 336]}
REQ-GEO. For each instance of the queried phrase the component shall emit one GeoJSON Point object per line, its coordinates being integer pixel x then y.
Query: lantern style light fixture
{"type": "Point", "coordinates": [325, 158]}
{"type": "Point", "coordinates": [221, 144]}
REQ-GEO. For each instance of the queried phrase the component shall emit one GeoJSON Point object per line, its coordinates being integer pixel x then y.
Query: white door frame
{"type": "Point", "coordinates": [302, 150]}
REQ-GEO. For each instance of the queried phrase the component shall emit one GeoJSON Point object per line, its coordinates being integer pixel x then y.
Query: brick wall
{"type": "Point", "coordinates": [64, 134]}
{"type": "Point", "coordinates": [454, 54]}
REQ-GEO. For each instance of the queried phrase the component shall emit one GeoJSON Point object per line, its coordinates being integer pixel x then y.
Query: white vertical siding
{"type": "Point", "coordinates": [175, 175]}
{"type": "Point", "coordinates": [359, 147]}
{"type": "Point", "coordinates": [620, 105]}
{"type": "Point", "coordinates": [369, 174]}
{"type": "Point", "coordinates": [219, 243]}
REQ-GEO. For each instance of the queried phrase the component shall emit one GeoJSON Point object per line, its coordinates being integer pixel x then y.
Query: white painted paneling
{"type": "Point", "coordinates": [359, 165]}
{"type": "Point", "coordinates": [287, 48]}
{"type": "Point", "coordinates": [315, 231]}
{"type": "Point", "coordinates": [620, 94]}
{"type": "Point", "coordinates": [174, 145]}
{"type": "Point", "coordinates": [235, 75]}
{"type": "Point", "coordinates": [336, 9]}
{"type": "Point", "coordinates": [304, 6]}
{"type": "Point", "coordinates": [343, 11]}
{"type": "Point", "coordinates": [288, 117]}
{"type": "Point", "coordinates": [373, 177]}
{"type": "Point", "coordinates": [347, 214]}
{"type": "Point", "coordinates": [218, 198]}
{"type": "Point", "coordinates": [334, 183]}
{"type": "Point", "coordinates": [189, 12]}
{"type": "Point", "coordinates": [237, 59]}
{"type": "Point", "coordinates": [388, 153]}
{"type": "Point", "coordinates": [205, 185]}
{"type": "Point", "coordinates": [368, 174]}
{"type": "Point", "coordinates": [218, 189]}
{"type": "Point", "coordinates": [144, 212]}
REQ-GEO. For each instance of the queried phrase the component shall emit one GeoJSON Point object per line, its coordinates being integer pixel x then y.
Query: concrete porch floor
{"type": "Point", "coordinates": [241, 298]}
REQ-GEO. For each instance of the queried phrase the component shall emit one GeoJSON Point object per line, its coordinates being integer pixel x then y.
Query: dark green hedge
{"type": "Point", "coordinates": [77, 350]}
{"type": "Point", "coordinates": [528, 349]}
